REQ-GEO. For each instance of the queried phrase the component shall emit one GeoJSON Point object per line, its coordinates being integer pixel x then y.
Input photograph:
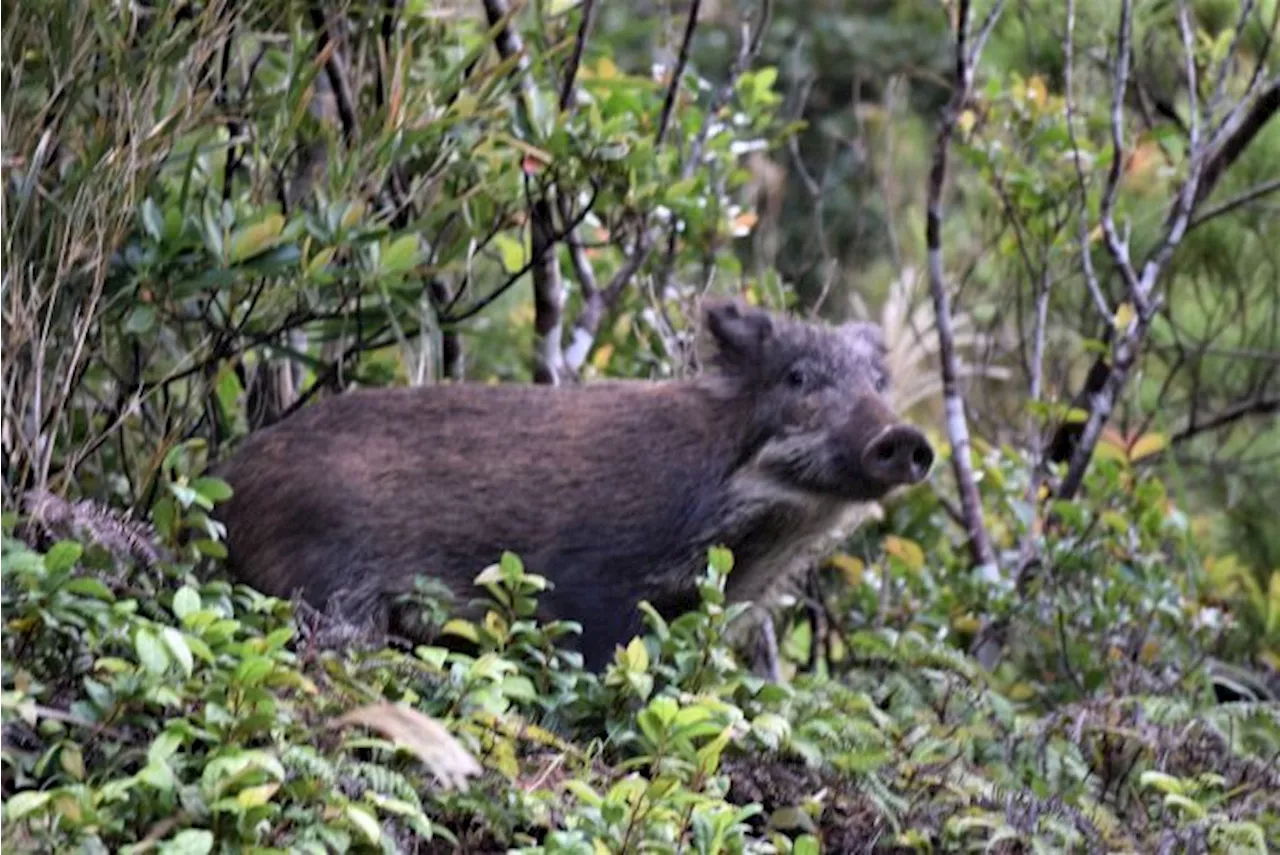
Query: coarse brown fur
{"type": "Point", "coordinates": [612, 490]}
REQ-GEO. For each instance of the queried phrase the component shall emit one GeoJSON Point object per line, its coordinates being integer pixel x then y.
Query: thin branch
{"type": "Point", "coordinates": [1229, 416]}
{"type": "Point", "coordinates": [682, 61]}
{"type": "Point", "coordinates": [1235, 136]}
{"type": "Point", "coordinates": [1249, 196]}
{"type": "Point", "coordinates": [336, 71]}
{"type": "Point", "coordinates": [1231, 140]}
{"type": "Point", "coordinates": [957, 426]}
{"type": "Point", "coordinates": [575, 61]}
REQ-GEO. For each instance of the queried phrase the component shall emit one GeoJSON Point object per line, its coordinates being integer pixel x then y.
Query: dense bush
{"type": "Point", "coordinates": [215, 214]}
{"type": "Point", "coordinates": [147, 704]}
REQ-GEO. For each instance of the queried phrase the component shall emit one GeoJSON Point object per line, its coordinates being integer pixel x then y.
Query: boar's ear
{"type": "Point", "coordinates": [739, 331]}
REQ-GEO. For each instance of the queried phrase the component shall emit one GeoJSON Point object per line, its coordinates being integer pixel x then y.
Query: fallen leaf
{"type": "Point", "coordinates": [434, 745]}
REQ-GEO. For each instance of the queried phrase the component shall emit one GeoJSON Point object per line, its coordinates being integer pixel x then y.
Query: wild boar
{"type": "Point", "coordinates": [613, 491]}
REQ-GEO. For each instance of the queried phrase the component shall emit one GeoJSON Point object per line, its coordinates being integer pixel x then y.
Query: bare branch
{"type": "Point", "coordinates": [957, 426]}
{"type": "Point", "coordinates": [1220, 83]}
{"type": "Point", "coordinates": [575, 61]}
{"type": "Point", "coordinates": [1249, 196]}
{"type": "Point", "coordinates": [335, 69]}
{"type": "Point", "coordinates": [1118, 248]}
{"type": "Point", "coordinates": [1235, 135]}
{"type": "Point", "coordinates": [1229, 416]}
{"type": "Point", "coordinates": [682, 61]}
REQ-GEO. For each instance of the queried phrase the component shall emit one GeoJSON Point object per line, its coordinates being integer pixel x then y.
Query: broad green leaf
{"type": "Point", "coordinates": [89, 587]}
{"type": "Point", "coordinates": [141, 320]}
{"type": "Point", "coordinates": [255, 239]}
{"type": "Point", "coordinates": [150, 651]}
{"type": "Point", "coordinates": [178, 649]}
{"type": "Point", "coordinates": [185, 601]}
{"type": "Point", "coordinates": [20, 804]}
{"type": "Point", "coordinates": [401, 255]}
{"type": "Point", "coordinates": [62, 556]}
{"type": "Point", "coordinates": [365, 821]}
{"type": "Point", "coordinates": [192, 841]}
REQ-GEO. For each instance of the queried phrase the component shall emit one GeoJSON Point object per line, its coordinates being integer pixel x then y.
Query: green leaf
{"type": "Point", "coordinates": [192, 841]}
{"type": "Point", "coordinates": [401, 255]}
{"type": "Point", "coordinates": [150, 651]}
{"type": "Point", "coordinates": [255, 239]}
{"type": "Point", "coordinates": [365, 821]}
{"type": "Point", "coordinates": [87, 586]}
{"type": "Point", "coordinates": [20, 804]}
{"type": "Point", "coordinates": [806, 844]}
{"type": "Point", "coordinates": [186, 601]}
{"type": "Point", "coordinates": [141, 320]}
{"type": "Point", "coordinates": [214, 489]}
{"type": "Point", "coordinates": [177, 646]}
{"type": "Point", "coordinates": [512, 252]}
{"type": "Point", "coordinates": [62, 556]}
{"type": "Point", "coordinates": [252, 670]}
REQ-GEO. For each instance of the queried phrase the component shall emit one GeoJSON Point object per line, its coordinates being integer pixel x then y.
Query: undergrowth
{"type": "Point", "coordinates": [150, 704]}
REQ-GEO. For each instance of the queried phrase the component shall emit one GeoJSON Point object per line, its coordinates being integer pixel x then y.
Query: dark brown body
{"type": "Point", "coordinates": [613, 491]}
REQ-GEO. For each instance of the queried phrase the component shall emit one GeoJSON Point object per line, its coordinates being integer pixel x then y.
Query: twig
{"type": "Point", "coordinates": [1245, 409]}
{"type": "Point", "coordinates": [579, 46]}
{"type": "Point", "coordinates": [1253, 194]}
{"type": "Point", "coordinates": [957, 425]}
{"type": "Point", "coordinates": [682, 61]}
{"type": "Point", "coordinates": [1208, 161]}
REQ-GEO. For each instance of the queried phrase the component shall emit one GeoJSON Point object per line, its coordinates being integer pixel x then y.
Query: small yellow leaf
{"type": "Point", "coordinates": [1037, 92]}
{"type": "Point", "coordinates": [967, 624]}
{"type": "Point", "coordinates": [851, 568]}
{"type": "Point", "coordinates": [600, 359]}
{"type": "Point", "coordinates": [966, 121]}
{"type": "Point", "coordinates": [352, 215]}
{"type": "Point", "coordinates": [1125, 314]}
{"type": "Point", "coordinates": [255, 239]}
{"type": "Point", "coordinates": [321, 258]}
{"type": "Point", "coordinates": [251, 797]}
{"type": "Point", "coordinates": [1147, 445]}
{"type": "Point", "coordinates": [72, 761]}
{"type": "Point", "coordinates": [512, 252]}
{"type": "Point", "coordinates": [1273, 603]}
{"type": "Point", "coordinates": [637, 656]}
{"type": "Point", "coordinates": [462, 629]}
{"type": "Point", "coordinates": [906, 551]}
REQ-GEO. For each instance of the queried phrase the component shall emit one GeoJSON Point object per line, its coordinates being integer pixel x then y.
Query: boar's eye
{"type": "Point", "coordinates": [797, 378]}
{"type": "Point", "coordinates": [882, 382]}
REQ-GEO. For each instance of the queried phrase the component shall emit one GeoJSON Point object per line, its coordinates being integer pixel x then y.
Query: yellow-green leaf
{"type": "Point", "coordinates": [251, 797]}
{"type": "Point", "coordinates": [906, 551]}
{"type": "Point", "coordinates": [400, 255]}
{"type": "Point", "coordinates": [462, 629]}
{"type": "Point", "coordinates": [512, 252]}
{"type": "Point", "coordinates": [1125, 313]}
{"type": "Point", "coordinates": [365, 821]}
{"type": "Point", "coordinates": [1147, 445]}
{"type": "Point", "coordinates": [637, 655]}
{"type": "Point", "coordinates": [851, 568]}
{"type": "Point", "coordinates": [257, 238]}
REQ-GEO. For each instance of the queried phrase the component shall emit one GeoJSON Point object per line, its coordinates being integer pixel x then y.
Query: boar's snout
{"type": "Point", "coordinates": [898, 455]}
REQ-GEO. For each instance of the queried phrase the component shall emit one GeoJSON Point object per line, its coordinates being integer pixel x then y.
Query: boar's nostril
{"type": "Point", "coordinates": [899, 455]}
